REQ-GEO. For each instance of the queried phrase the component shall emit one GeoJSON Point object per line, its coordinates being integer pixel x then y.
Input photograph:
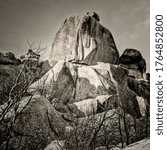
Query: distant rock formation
{"type": "Point", "coordinates": [82, 38]}
{"type": "Point", "coordinates": [9, 59]}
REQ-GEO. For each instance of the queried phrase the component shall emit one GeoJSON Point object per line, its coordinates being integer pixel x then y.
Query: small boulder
{"type": "Point", "coordinates": [9, 59]}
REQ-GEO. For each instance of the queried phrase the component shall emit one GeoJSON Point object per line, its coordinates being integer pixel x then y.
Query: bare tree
{"type": "Point", "coordinates": [11, 109]}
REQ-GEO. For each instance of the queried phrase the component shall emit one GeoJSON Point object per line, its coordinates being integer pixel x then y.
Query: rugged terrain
{"type": "Point", "coordinates": [89, 98]}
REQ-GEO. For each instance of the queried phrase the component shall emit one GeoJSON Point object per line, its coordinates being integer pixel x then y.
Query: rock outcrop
{"type": "Point", "coordinates": [70, 83]}
{"type": "Point", "coordinates": [56, 83]}
{"type": "Point", "coordinates": [37, 124]}
{"type": "Point", "coordinates": [134, 62]}
{"type": "Point", "coordinates": [82, 38]}
{"type": "Point", "coordinates": [138, 80]}
{"type": "Point", "coordinates": [9, 59]}
{"type": "Point", "coordinates": [88, 99]}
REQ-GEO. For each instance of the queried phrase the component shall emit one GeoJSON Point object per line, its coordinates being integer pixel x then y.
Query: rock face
{"type": "Point", "coordinates": [133, 60]}
{"type": "Point", "coordinates": [84, 39]}
{"type": "Point", "coordinates": [56, 83]}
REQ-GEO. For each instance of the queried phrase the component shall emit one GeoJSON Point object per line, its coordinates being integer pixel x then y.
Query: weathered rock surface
{"type": "Point", "coordinates": [87, 107]}
{"type": "Point", "coordinates": [55, 145]}
{"type": "Point", "coordinates": [36, 125]}
{"type": "Point", "coordinates": [71, 83]}
{"type": "Point", "coordinates": [140, 87]}
{"type": "Point", "coordinates": [93, 81]}
{"type": "Point", "coordinates": [97, 105]}
{"type": "Point", "coordinates": [143, 144]}
{"type": "Point", "coordinates": [56, 83]}
{"type": "Point", "coordinates": [83, 38]}
{"type": "Point", "coordinates": [133, 60]}
{"type": "Point", "coordinates": [99, 126]}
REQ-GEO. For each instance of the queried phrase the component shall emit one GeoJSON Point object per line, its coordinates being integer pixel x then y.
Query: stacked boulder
{"type": "Point", "coordinates": [138, 79]}
{"type": "Point", "coordinates": [89, 96]}
{"type": "Point", "coordinates": [86, 86]}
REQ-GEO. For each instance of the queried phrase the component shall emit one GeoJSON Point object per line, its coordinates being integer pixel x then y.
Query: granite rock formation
{"type": "Point", "coordinates": [134, 62]}
{"type": "Point", "coordinates": [89, 99]}
{"type": "Point", "coordinates": [37, 121]}
{"type": "Point", "coordinates": [82, 38]}
{"type": "Point", "coordinates": [74, 83]}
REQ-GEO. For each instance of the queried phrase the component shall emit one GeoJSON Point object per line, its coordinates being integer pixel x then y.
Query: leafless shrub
{"type": "Point", "coordinates": [10, 110]}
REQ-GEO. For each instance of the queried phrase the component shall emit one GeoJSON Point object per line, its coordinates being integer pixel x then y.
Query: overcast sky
{"type": "Point", "coordinates": [39, 20]}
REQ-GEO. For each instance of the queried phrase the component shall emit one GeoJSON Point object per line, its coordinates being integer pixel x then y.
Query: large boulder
{"type": "Point", "coordinates": [133, 60]}
{"type": "Point", "coordinates": [34, 126]}
{"type": "Point", "coordinates": [93, 81]}
{"type": "Point", "coordinates": [88, 106]}
{"type": "Point", "coordinates": [56, 83]}
{"type": "Point", "coordinates": [69, 83]}
{"type": "Point", "coordinates": [83, 38]}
